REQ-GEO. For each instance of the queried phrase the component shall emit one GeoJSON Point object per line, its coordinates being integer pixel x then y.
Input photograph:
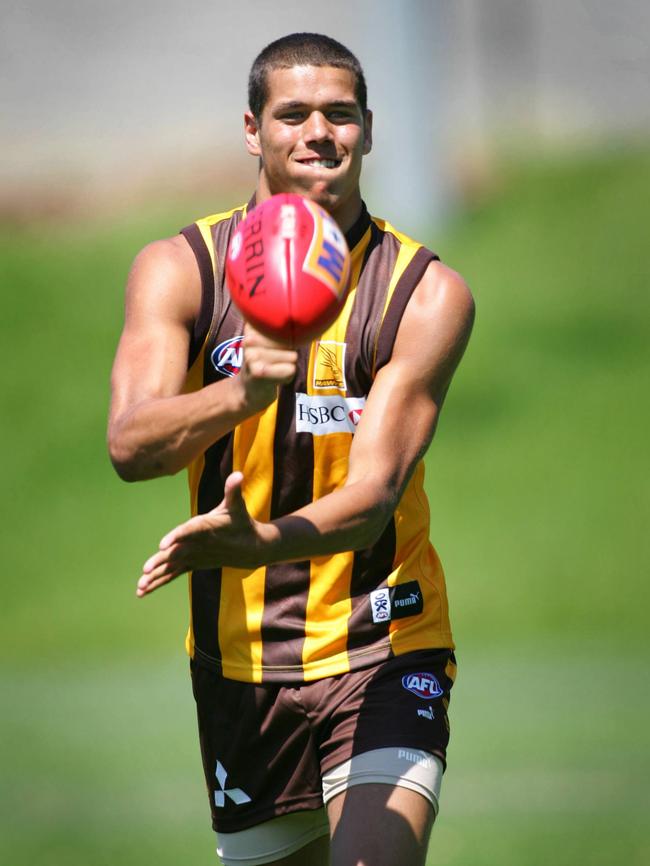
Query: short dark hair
{"type": "Point", "coordinates": [302, 49]}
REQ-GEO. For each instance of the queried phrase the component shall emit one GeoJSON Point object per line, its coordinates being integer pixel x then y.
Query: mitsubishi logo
{"type": "Point", "coordinates": [235, 794]}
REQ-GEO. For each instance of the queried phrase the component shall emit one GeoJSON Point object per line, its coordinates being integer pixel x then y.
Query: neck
{"type": "Point", "coordinates": [346, 213]}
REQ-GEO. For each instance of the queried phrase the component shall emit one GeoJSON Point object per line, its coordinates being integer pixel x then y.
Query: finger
{"type": "Point", "coordinates": [180, 533]}
{"type": "Point", "coordinates": [161, 568]}
{"type": "Point", "coordinates": [156, 561]}
{"type": "Point", "coordinates": [281, 372]}
{"type": "Point", "coordinates": [233, 498]}
{"type": "Point", "coordinates": [175, 556]}
{"type": "Point", "coordinates": [147, 584]}
{"type": "Point", "coordinates": [271, 369]}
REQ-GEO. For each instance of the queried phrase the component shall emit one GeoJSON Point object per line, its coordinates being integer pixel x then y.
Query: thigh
{"type": "Point", "coordinates": [259, 757]}
{"type": "Point", "coordinates": [379, 825]}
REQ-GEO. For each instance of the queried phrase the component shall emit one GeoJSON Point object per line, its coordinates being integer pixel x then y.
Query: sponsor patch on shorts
{"type": "Point", "coordinates": [423, 685]}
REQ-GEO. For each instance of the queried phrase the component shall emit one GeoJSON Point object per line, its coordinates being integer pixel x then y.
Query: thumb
{"type": "Point", "coordinates": [233, 498]}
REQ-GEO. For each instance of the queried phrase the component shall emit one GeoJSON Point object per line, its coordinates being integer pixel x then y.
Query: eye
{"type": "Point", "coordinates": [340, 115]}
{"type": "Point", "coordinates": [292, 116]}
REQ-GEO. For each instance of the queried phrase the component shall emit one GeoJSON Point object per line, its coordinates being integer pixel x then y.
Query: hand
{"type": "Point", "coordinates": [267, 364]}
{"type": "Point", "coordinates": [227, 535]}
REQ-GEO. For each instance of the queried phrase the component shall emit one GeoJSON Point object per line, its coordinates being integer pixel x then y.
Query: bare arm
{"type": "Point", "coordinates": [396, 427]}
{"type": "Point", "coordinates": [154, 429]}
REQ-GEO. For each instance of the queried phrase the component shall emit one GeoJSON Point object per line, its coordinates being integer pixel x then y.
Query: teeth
{"type": "Point", "coordinates": [322, 163]}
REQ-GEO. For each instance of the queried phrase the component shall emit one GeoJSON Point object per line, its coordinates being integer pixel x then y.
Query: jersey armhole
{"type": "Point", "coordinates": [193, 236]}
{"type": "Point", "coordinates": [401, 296]}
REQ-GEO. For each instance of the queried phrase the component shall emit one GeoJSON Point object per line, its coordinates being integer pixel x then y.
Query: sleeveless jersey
{"type": "Point", "coordinates": [301, 621]}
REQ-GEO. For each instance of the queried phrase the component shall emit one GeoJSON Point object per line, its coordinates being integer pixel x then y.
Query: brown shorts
{"type": "Point", "coordinates": [265, 747]}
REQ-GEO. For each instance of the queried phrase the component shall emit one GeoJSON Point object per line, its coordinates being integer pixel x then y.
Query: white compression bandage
{"type": "Point", "coordinates": [272, 840]}
{"type": "Point", "coordinates": [398, 766]}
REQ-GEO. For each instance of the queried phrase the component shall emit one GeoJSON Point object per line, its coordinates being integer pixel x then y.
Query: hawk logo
{"type": "Point", "coordinates": [228, 357]}
{"type": "Point", "coordinates": [237, 796]}
{"type": "Point", "coordinates": [329, 367]}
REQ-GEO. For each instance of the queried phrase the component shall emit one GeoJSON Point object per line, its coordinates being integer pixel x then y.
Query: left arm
{"type": "Point", "coordinates": [395, 430]}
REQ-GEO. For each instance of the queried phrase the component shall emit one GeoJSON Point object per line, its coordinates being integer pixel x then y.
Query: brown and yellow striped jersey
{"type": "Point", "coordinates": [295, 622]}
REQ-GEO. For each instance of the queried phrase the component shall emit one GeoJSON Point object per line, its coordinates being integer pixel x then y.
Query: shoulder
{"type": "Point", "coordinates": [437, 323]}
{"type": "Point", "coordinates": [441, 290]}
{"type": "Point", "coordinates": [165, 273]}
{"type": "Point", "coordinates": [173, 255]}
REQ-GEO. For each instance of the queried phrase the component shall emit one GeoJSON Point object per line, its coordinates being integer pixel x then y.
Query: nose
{"type": "Point", "coordinates": [317, 128]}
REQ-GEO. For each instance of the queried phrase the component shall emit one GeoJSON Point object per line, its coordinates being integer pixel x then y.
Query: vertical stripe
{"type": "Point", "coordinates": [206, 583]}
{"type": "Point", "coordinates": [379, 257]}
{"type": "Point", "coordinates": [285, 599]}
{"type": "Point", "coordinates": [371, 570]}
{"type": "Point", "coordinates": [328, 604]}
{"type": "Point", "coordinates": [242, 590]}
{"type": "Point", "coordinates": [339, 330]}
{"type": "Point", "coordinates": [204, 261]}
{"type": "Point", "coordinates": [418, 560]}
{"type": "Point", "coordinates": [194, 382]}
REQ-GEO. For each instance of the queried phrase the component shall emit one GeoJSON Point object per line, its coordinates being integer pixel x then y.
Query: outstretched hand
{"type": "Point", "coordinates": [227, 535]}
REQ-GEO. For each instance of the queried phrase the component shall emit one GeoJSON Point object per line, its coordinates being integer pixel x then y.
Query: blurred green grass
{"type": "Point", "coordinates": [538, 485]}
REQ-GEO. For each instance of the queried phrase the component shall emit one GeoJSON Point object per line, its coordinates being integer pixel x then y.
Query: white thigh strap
{"type": "Point", "coordinates": [400, 767]}
{"type": "Point", "coordinates": [272, 840]}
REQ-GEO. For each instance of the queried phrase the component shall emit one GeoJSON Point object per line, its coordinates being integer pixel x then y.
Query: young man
{"type": "Point", "coordinates": [320, 641]}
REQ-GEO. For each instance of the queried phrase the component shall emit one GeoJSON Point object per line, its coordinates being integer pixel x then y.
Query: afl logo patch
{"type": "Point", "coordinates": [423, 685]}
{"type": "Point", "coordinates": [228, 356]}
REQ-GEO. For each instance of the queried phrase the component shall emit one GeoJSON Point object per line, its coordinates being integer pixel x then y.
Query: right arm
{"type": "Point", "coordinates": [153, 428]}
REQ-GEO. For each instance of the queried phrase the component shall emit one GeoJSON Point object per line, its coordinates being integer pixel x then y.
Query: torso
{"type": "Point", "coordinates": [294, 622]}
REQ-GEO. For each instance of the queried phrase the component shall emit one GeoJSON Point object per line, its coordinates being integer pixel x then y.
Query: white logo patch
{"type": "Point", "coordinates": [321, 415]}
{"type": "Point", "coordinates": [235, 794]}
{"type": "Point", "coordinates": [380, 605]}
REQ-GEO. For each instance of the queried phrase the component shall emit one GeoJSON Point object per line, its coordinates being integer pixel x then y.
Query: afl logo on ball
{"type": "Point", "coordinates": [423, 685]}
{"type": "Point", "coordinates": [228, 357]}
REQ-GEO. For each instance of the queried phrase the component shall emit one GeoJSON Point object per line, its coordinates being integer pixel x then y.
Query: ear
{"type": "Point", "coordinates": [367, 133]}
{"type": "Point", "coordinates": [252, 133]}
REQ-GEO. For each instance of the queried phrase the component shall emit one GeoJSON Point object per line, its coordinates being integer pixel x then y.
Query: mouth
{"type": "Point", "coordinates": [319, 162]}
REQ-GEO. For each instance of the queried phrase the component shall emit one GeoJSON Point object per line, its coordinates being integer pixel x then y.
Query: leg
{"type": "Point", "coordinates": [294, 839]}
{"type": "Point", "coordinates": [316, 853]}
{"type": "Point", "coordinates": [379, 825]}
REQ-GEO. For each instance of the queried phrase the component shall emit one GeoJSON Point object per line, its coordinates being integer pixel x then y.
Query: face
{"type": "Point", "coordinates": [311, 138]}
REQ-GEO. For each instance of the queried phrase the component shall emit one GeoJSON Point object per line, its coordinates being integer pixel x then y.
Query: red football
{"type": "Point", "coordinates": [288, 268]}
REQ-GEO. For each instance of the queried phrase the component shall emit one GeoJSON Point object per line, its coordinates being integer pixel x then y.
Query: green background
{"type": "Point", "coordinates": [538, 484]}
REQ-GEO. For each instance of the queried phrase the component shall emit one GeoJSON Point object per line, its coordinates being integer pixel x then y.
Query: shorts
{"type": "Point", "coordinates": [266, 747]}
{"type": "Point", "coordinates": [281, 837]}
